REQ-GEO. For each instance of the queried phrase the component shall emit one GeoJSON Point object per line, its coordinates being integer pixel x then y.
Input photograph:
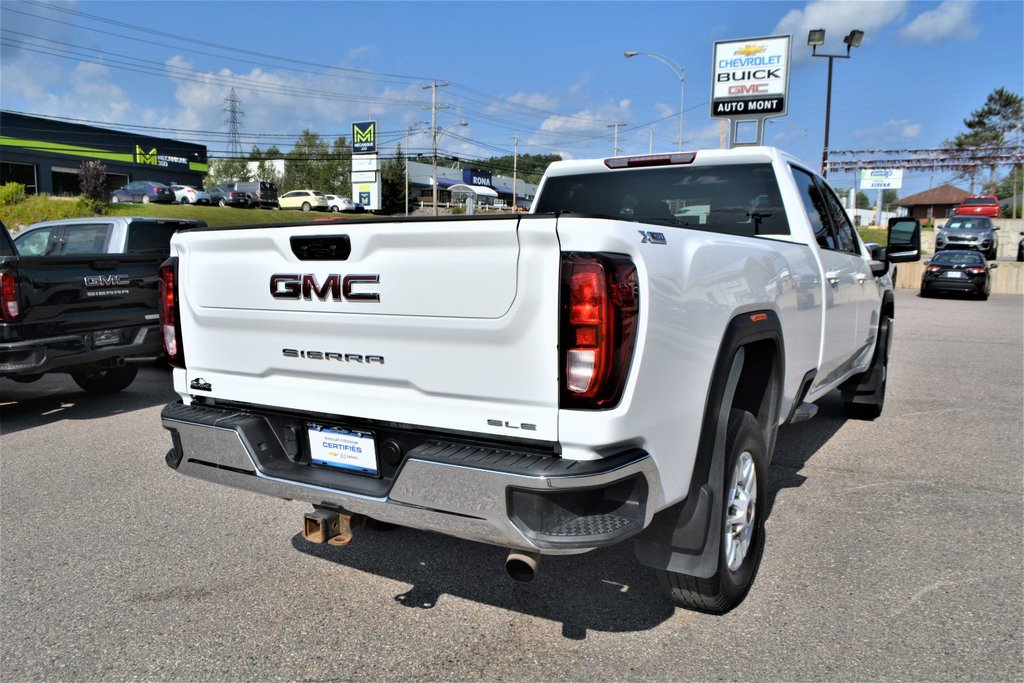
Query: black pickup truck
{"type": "Point", "coordinates": [93, 316]}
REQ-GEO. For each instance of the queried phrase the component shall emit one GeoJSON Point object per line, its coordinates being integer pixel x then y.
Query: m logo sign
{"type": "Point", "coordinates": [364, 137]}
{"type": "Point", "coordinates": [145, 158]}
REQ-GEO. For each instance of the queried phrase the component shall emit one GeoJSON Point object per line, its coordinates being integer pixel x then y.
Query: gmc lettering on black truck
{"type": "Point", "coordinates": [614, 365]}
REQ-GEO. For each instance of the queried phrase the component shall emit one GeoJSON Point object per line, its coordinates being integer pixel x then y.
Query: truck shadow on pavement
{"type": "Point", "coordinates": [796, 444]}
{"type": "Point", "coordinates": [604, 590]}
{"type": "Point", "coordinates": [56, 397]}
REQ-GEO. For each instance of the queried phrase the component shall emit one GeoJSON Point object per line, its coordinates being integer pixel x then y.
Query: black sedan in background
{"type": "Point", "coordinates": [957, 270]}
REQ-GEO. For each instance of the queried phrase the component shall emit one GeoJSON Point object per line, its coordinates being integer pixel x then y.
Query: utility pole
{"type": "Point", "coordinates": [515, 168]}
{"type": "Point", "coordinates": [615, 146]}
{"type": "Point", "coordinates": [434, 106]}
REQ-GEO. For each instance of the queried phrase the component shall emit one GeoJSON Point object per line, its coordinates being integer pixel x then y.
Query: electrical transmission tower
{"type": "Point", "coordinates": [235, 116]}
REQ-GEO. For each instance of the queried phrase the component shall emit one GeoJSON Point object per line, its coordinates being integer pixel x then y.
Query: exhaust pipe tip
{"type": "Point", "coordinates": [522, 565]}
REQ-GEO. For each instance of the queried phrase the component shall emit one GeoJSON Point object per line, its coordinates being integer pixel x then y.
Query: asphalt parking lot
{"type": "Point", "coordinates": [894, 551]}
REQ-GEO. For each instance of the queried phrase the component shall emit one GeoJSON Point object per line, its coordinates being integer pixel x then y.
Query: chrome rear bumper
{"type": "Point", "coordinates": [488, 494]}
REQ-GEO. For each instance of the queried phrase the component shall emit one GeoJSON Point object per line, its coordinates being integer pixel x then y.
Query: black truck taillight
{"type": "Point", "coordinates": [170, 324]}
{"type": "Point", "coordinates": [10, 309]}
{"type": "Point", "coordinates": [599, 309]}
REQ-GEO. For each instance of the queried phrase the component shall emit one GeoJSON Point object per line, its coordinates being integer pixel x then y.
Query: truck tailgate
{"type": "Point", "coordinates": [450, 325]}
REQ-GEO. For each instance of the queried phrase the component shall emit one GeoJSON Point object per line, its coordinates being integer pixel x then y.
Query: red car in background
{"type": "Point", "coordinates": [980, 205]}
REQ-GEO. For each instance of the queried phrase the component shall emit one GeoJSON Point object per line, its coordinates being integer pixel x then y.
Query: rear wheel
{"type": "Point", "coordinates": [742, 528]}
{"type": "Point", "coordinates": [108, 381]}
{"type": "Point", "coordinates": [306, 206]}
{"type": "Point", "coordinates": [221, 202]}
{"type": "Point", "coordinates": [115, 199]}
{"type": "Point", "coordinates": [334, 208]}
{"type": "Point", "coordinates": [184, 200]}
{"type": "Point", "coordinates": [145, 199]}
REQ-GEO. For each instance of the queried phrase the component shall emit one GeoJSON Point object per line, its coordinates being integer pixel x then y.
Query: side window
{"type": "Point", "coordinates": [86, 238]}
{"type": "Point", "coordinates": [817, 212]}
{"type": "Point", "coordinates": [39, 242]}
{"type": "Point", "coordinates": [841, 222]}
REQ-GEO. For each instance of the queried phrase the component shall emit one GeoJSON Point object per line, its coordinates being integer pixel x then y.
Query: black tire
{"type": "Point", "coordinates": [183, 200]}
{"type": "Point", "coordinates": [335, 209]}
{"type": "Point", "coordinates": [869, 407]}
{"type": "Point", "coordinates": [221, 202]}
{"type": "Point", "coordinates": [306, 206]}
{"type": "Point", "coordinates": [145, 199]}
{"type": "Point", "coordinates": [1020, 253]}
{"type": "Point", "coordinates": [114, 199]}
{"type": "Point", "coordinates": [109, 381]}
{"type": "Point", "coordinates": [730, 585]}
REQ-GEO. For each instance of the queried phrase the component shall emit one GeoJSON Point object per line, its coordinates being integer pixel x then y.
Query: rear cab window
{"type": "Point", "coordinates": [735, 199]}
{"type": "Point", "coordinates": [151, 238]}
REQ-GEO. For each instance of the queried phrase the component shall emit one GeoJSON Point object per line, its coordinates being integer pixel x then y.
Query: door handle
{"type": "Point", "coordinates": [833, 278]}
{"type": "Point", "coordinates": [861, 278]}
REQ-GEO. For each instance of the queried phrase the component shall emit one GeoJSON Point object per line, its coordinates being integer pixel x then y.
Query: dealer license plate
{"type": "Point", "coordinates": [954, 274]}
{"type": "Point", "coordinates": [344, 449]}
{"type": "Point", "coordinates": [106, 338]}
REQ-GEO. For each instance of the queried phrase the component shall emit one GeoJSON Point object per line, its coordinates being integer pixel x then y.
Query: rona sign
{"type": "Point", "coordinates": [750, 77]}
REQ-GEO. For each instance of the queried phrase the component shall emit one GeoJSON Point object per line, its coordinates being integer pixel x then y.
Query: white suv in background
{"type": "Point", "coordinates": [303, 199]}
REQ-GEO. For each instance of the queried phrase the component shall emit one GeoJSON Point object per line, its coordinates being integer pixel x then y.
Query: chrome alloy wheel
{"type": "Point", "coordinates": [740, 511]}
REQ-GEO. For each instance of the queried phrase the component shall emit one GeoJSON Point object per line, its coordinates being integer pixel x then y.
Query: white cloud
{"type": "Point", "coordinates": [951, 19]}
{"type": "Point", "coordinates": [893, 130]}
{"type": "Point", "coordinates": [521, 100]}
{"type": "Point", "coordinates": [837, 17]}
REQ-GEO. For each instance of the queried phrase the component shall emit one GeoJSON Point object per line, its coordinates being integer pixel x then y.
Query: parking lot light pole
{"type": "Point", "coordinates": [815, 39]}
{"type": "Point", "coordinates": [680, 71]}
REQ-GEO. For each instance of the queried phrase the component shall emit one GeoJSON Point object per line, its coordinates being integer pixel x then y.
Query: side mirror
{"type": "Point", "coordinates": [879, 264]}
{"type": "Point", "coordinates": [993, 266]}
{"type": "Point", "coordinates": [904, 240]}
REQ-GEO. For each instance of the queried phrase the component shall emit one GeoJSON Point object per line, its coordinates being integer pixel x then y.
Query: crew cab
{"type": "Point", "coordinates": [101, 235]}
{"type": "Point", "coordinates": [614, 365]}
{"type": "Point", "coordinates": [91, 315]}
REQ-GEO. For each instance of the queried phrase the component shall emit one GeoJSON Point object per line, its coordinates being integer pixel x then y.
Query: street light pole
{"type": "Point", "coordinates": [680, 71]}
{"type": "Point", "coordinates": [816, 38]}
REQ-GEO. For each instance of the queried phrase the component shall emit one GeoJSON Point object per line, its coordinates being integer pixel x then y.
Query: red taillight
{"type": "Point", "coordinates": [934, 269]}
{"type": "Point", "coordinates": [169, 323]}
{"type": "Point", "coordinates": [10, 309]}
{"type": "Point", "coordinates": [599, 309]}
{"type": "Point", "coordinates": [976, 271]}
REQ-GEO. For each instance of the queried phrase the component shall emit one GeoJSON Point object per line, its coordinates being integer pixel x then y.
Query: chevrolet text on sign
{"type": "Point", "coordinates": [750, 77]}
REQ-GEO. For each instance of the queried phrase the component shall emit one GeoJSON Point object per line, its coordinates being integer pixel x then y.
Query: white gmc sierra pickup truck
{"type": "Point", "coordinates": [613, 365]}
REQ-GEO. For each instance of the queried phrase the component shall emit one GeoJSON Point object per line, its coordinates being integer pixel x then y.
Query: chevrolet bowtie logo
{"type": "Point", "coordinates": [750, 50]}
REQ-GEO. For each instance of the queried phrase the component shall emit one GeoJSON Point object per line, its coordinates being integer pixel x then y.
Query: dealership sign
{"type": "Point", "coordinates": [750, 77]}
{"type": "Point", "coordinates": [364, 137]}
{"type": "Point", "coordinates": [881, 178]}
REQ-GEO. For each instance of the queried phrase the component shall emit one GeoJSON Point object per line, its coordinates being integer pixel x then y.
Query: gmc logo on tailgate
{"type": "Point", "coordinates": [334, 287]}
{"type": "Point", "coordinates": [106, 280]}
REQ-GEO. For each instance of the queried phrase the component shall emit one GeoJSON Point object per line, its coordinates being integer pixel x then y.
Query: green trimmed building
{"type": "Point", "coordinates": [45, 155]}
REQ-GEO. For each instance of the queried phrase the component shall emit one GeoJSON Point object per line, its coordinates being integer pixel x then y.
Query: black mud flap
{"type": "Point", "coordinates": [684, 538]}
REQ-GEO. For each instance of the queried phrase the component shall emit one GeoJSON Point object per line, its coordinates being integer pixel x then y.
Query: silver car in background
{"type": "Point", "coordinates": [969, 232]}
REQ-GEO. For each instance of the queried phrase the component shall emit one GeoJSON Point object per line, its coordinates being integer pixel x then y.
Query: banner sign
{"type": "Point", "coordinates": [471, 176]}
{"type": "Point", "coordinates": [881, 178]}
{"type": "Point", "coordinates": [364, 137]}
{"type": "Point", "coordinates": [750, 78]}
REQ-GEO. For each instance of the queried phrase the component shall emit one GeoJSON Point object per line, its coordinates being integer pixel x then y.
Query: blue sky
{"type": "Point", "coordinates": [551, 73]}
